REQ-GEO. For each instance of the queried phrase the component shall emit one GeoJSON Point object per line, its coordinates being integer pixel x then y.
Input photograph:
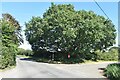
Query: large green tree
{"type": "Point", "coordinates": [10, 39]}
{"type": "Point", "coordinates": [64, 29]}
{"type": "Point", "coordinates": [9, 18]}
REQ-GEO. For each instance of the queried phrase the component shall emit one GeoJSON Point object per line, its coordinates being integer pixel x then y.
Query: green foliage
{"type": "Point", "coordinates": [113, 71]}
{"type": "Point", "coordinates": [24, 52]}
{"type": "Point", "coordinates": [63, 29]}
{"type": "Point", "coordinates": [9, 42]}
{"type": "Point", "coordinates": [8, 57]}
{"type": "Point", "coordinates": [9, 18]}
{"type": "Point", "coordinates": [111, 55]}
{"type": "Point", "coordinates": [9, 46]}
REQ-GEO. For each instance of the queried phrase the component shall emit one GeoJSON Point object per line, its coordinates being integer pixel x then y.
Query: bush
{"type": "Point", "coordinates": [111, 55]}
{"type": "Point", "coordinates": [113, 71]}
{"type": "Point", "coordinates": [24, 52]}
{"type": "Point", "coordinates": [8, 57]}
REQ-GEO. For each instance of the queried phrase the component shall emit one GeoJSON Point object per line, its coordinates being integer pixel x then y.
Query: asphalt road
{"type": "Point", "coordinates": [30, 69]}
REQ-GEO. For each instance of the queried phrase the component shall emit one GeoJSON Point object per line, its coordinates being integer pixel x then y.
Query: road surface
{"type": "Point", "coordinates": [31, 69]}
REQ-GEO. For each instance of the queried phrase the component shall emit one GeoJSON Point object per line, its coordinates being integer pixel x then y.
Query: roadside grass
{"type": "Point", "coordinates": [60, 62]}
{"type": "Point", "coordinates": [98, 61]}
{"type": "Point", "coordinates": [44, 60]}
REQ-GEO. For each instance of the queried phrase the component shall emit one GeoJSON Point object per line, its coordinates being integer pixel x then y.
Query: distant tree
{"type": "Point", "coordinates": [22, 51]}
{"type": "Point", "coordinates": [64, 29]}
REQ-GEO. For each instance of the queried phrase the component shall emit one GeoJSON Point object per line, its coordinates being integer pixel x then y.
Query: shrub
{"type": "Point", "coordinates": [8, 57]}
{"type": "Point", "coordinates": [111, 55]}
{"type": "Point", "coordinates": [113, 71]}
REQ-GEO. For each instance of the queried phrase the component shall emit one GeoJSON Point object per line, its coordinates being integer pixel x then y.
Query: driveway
{"type": "Point", "coordinates": [30, 69]}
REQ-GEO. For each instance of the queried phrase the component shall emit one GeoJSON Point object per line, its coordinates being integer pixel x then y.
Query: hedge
{"type": "Point", "coordinates": [8, 57]}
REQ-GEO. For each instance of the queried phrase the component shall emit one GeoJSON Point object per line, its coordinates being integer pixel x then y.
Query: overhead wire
{"type": "Point", "coordinates": [101, 9]}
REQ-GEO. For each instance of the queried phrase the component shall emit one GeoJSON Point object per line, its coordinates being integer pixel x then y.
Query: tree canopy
{"type": "Point", "coordinates": [63, 29]}
{"type": "Point", "coordinates": [11, 20]}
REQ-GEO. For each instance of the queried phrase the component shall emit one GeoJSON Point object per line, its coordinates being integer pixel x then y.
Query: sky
{"type": "Point", "coordinates": [59, 0]}
{"type": "Point", "coordinates": [23, 11]}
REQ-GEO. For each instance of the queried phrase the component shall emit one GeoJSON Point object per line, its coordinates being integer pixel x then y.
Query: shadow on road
{"type": "Point", "coordinates": [101, 68]}
{"type": "Point", "coordinates": [26, 59]}
{"type": "Point", "coordinates": [33, 59]}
